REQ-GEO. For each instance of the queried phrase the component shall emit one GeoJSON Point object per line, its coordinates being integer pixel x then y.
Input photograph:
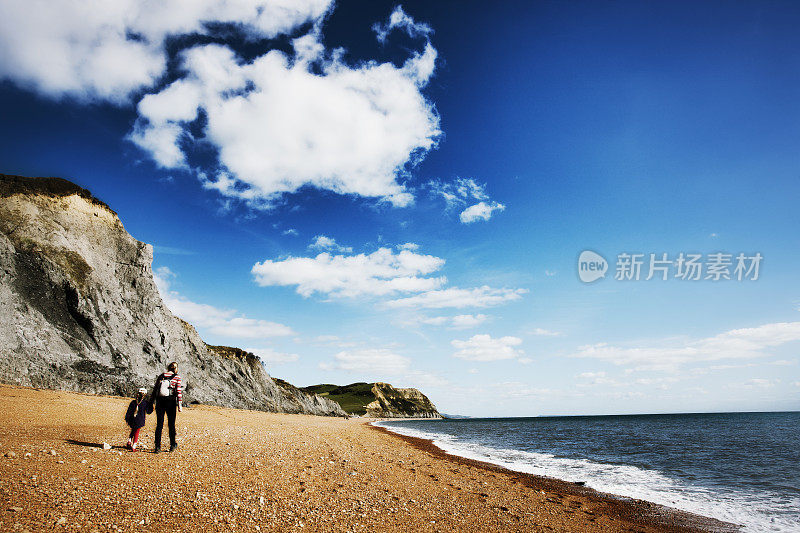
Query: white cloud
{"type": "Point", "coordinates": [270, 356]}
{"type": "Point", "coordinates": [326, 338]}
{"type": "Point", "coordinates": [223, 322]}
{"type": "Point", "coordinates": [291, 231]}
{"type": "Point", "coordinates": [466, 193]}
{"type": "Point", "coordinates": [434, 320]}
{"type": "Point", "coordinates": [591, 375]}
{"type": "Point", "coordinates": [379, 273]}
{"type": "Point", "coordinates": [468, 321]}
{"type": "Point", "coordinates": [659, 382]}
{"type": "Point", "coordinates": [278, 122]}
{"type": "Point", "coordinates": [760, 383]}
{"type": "Point", "coordinates": [550, 273]}
{"type": "Point", "coordinates": [458, 298]}
{"type": "Point", "coordinates": [87, 51]}
{"type": "Point", "coordinates": [399, 20]}
{"type": "Point", "coordinates": [373, 361]}
{"type": "Point", "coordinates": [486, 348]}
{"type": "Point", "coordinates": [284, 121]}
{"type": "Point", "coordinates": [459, 192]}
{"type": "Point", "coordinates": [597, 378]}
{"type": "Point", "coordinates": [454, 322]}
{"type": "Point", "coordinates": [480, 211]}
{"type": "Point", "coordinates": [382, 364]}
{"type": "Point", "coordinates": [540, 332]}
{"type": "Point", "coordinates": [745, 343]}
{"type": "Point", "coordinates": [409, 246]}
{"type": "Point", "coordinates": [321, 242]}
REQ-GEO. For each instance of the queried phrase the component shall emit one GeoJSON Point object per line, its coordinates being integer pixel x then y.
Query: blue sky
{"type": "Point", "coordinates": [372, 192]}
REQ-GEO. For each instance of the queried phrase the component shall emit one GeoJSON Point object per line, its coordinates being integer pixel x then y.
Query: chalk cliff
{"type": "Point", "coordinates": [79, 309]}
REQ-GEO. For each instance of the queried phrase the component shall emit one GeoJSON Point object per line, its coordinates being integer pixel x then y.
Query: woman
{"type": "Point", "coordinates": [168, 396]}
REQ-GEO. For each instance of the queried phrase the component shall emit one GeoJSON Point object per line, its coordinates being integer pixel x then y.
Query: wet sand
{"type": "Point", "coordinates": [253, 471]}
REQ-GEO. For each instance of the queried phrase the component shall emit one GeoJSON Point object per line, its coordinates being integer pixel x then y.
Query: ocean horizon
{"type": "Point", "coordinates": [741, 467]}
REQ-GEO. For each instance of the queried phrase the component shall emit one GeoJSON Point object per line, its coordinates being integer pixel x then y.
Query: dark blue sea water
{"type": "Point", "coordinates": [738, 467]}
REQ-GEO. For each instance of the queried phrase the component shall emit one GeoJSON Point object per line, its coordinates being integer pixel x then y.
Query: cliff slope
{"type": "Point", "coordinates": [378, 400]}
{"type": "Point", "coordinates": [80, 310]}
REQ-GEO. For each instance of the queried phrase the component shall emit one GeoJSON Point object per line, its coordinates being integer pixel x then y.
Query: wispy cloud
{"type": "Point", "coordinates": [743, 344]}
{"type": "Point", "coordinates": [270, 356]}
{"type": "Point", "coordinates": [223, 322]}
{"type": "Point", "coordinates": [459, 298]}
{"type": "Point", "coordinates": [468, 196]}
{"type": "Point", "coordinates": [486, 348]}
{"type": "Point", "coordinates": [465, 321]}
{"type": "Point", "coordinates": [399, 20]}
{"type": "Point", "coordinates": [760, 383]}
{"type": "Point", "coordinates": [378, 363]}
{"type": "Point", "coordinates": [322, 242]}
{"type": "Point", "coordinates": [170, 250]}
{"type": "Point", "coordinates": [371, 362]}
{"type": "Point", "coordinates": [541, 332]}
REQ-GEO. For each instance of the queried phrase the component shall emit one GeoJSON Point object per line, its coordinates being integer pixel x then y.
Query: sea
{"type": "Point", "coordinates": [742, 468]}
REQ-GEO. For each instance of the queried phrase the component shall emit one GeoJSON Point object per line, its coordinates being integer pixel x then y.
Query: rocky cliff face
{"type": "Point", "coordinates": [379, 400]}
{"type": "Point", "coordinates": [391, 402]}
{"type": "Point", "coordinates": [79, 309]}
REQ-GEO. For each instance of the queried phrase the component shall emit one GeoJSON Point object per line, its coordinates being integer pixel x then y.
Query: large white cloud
{"type": "Point", "coordinates": [107, 50]}
{"type": "Point", "coordinates": [223, 322]}
{"type": "Point", "coordinates": [284, 121]}
{"type": "Point", "coordinates": [380, 273]}
{"type": "Point", "coordinates": [278, 122]}
{"type": "Point", "coordinates": [486, 348]}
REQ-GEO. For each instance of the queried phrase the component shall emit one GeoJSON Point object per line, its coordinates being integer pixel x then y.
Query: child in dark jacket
{"type": "Point", "coordinates": [135, 417]}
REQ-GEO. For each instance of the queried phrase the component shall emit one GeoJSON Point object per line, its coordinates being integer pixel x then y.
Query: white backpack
{"type": "Point", "coordinates": [165, 388]}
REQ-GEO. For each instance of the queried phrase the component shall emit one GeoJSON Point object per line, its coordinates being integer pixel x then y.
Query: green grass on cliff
{"type": "Point", "coordinates": [353, 398]}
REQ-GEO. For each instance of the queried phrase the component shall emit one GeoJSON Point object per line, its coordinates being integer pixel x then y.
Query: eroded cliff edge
{"type": "Point", "coordinates": [79, 309]}
{"type": "Point", "coordinates": [378, 400]}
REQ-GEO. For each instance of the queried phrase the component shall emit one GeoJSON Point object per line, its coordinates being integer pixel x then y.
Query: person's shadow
{"type": "Point", "coordinates": [96, 445]}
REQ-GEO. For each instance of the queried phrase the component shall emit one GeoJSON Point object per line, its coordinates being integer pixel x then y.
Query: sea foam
{"type": "Point", "coordinates": [754, 512]}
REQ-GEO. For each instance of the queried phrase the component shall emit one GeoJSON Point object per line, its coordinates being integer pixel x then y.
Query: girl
{"type": "Point", "coordinates": [135, 416]}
